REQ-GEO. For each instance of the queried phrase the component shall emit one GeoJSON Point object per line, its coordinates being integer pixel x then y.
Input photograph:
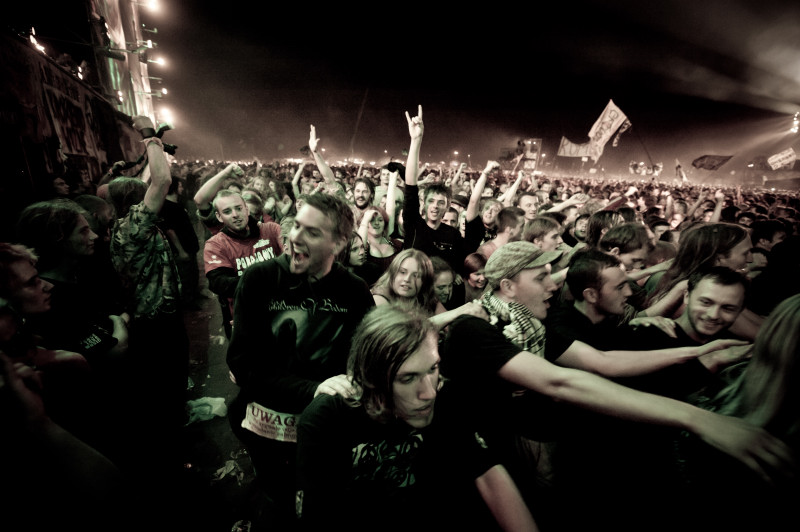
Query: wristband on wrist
{"type": "Point", "coordinates": [150, 140]}
{"type": "Point", "coordinates": [148, 132]}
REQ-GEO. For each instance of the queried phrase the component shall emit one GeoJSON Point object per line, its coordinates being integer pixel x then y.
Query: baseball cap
{"type": "Point", "coordinates": [510, 259]}
{"type": "Point", "coordinates": [460, 199]}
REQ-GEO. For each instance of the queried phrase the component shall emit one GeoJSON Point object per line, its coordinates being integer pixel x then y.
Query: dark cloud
{"type": "Point", "coordinates": [253, 82]}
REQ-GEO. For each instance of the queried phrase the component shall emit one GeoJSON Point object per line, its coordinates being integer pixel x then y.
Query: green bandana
{"type": "Point", "coordinates": [524, 329]}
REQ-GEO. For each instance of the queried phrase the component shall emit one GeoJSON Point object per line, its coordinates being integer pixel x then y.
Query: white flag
{"type": "Point", "coordinates": [603, 129]}
{"type": "Point", "coordinates": [784, 158]}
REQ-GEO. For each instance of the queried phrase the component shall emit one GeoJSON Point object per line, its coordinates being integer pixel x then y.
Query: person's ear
{"type": "Point", "coordinates": [614, 251]}
{"type": "Point", "coordinates": [339, 246]}
{"type": "Point", "coordinates": [590, 295]}
{"type": "Point", "coordinates": [508, 288]}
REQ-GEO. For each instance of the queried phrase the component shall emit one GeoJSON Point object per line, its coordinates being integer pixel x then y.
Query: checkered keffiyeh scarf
{"type": "Point", "coordinates": [524, 329]}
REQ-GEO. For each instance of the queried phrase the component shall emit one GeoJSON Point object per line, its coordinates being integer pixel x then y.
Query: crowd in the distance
{"type": "Point", "coordinates": [414, 346]}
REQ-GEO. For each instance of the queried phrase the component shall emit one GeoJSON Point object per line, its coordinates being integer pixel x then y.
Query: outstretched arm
{"type": "Point", "coordinates": [575, 199]}
{"type": "Point", "coordinates": [753, 446]}
{"type": "Point", "coordinates": [630, 363]}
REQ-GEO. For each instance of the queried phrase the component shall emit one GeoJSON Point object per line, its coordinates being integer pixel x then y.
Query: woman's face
{"type": "Point", "coordinates": [260, 185]}
{"type": "Point", "coordinates": [477, 280]}
{"type": "Point", "coordinates": [408, 279]}
{"type": "Point", "coordinates": [443, 286]}
{"type": "Point", "coordinates": [739, 257]}
{"type": "Point", "coordinates": [376, 225]}
{"type": "Point", "coordinates": [358, 252]}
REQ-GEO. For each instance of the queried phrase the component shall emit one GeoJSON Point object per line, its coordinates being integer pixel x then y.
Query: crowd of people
{"type": "Point", "coordinates": [415, 347]}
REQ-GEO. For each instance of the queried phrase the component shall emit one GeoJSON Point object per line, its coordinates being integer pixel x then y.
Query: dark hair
{"type": "Point", "coordinates": [344, 256]}
{"type": "Point", "coordinates": [698, 249]}
{"type": "Point", "coordinates": [585, 270]}
{"type": "Point", "coordinates": [766, 229]}
{"type": "Point", "coordinates": [538, 227]}
{"type": "Point", "coordinates": [336, 209]}
{"type": "Point", "coordinates": [527, 193]}
{"type": "Point", "coordinates": [719, 275]}
{"type": "Point", "coordinates": [397, 167]}
{"type": "Point", "coordinates": [438, 188]}
{"type": "Point", "coordinates": [440, 265]}
{"type": "Point", "coordinates": [473, 262]}
{"type": "Point", "coordinates": [369, 184]}
{"type": "Point", "coordinates": [508, 217]}
{"type": "Point", "coordinates": [45, 225]}
{"type": "Point", "coordinates": [173, 186]}
{"type": "Point", "coordinates": [628, 237]}
{"type": "Point", "coordinates": [599, 223]}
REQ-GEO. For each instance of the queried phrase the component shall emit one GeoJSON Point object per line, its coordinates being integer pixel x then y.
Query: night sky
{"type": "Point", "coordinates": [694, 78]}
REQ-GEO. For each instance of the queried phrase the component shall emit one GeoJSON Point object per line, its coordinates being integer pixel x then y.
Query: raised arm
{"type": "Point", "coordinates": [296, 181]}
{"type": "Point", "coordinates": [391, 205]}
{"type": "Point", "coordinates": [324, 169]}
{"type": "Point", "coordinates": [205, 195]}
{"type": "Point", "coordinates": [477, 191]}
{"type": "Point", "coordinates": [507, 198]}
{"type": "Point", "coordinates": [719, 197]}
{"type": "Point", "coordinates": [160, 178]}
{"type": "Point", "coordinates": [695, 205]}
{"type": "Point", "coordinates": [415, 131]}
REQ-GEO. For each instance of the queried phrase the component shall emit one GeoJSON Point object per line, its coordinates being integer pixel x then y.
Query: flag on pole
{"type": "Point", "coordinates": [570, 149]}
{"type": "Point", "coordinates": [626, 125]}
{"type": "Point", "coordinates": [711, 162]}
{"type": "Point", "coordinates": [609, 121]}
{"type": "Point", "coordinates": [679, 173]}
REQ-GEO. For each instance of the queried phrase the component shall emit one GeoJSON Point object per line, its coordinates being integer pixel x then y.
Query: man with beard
{"type": "Point", "coordinates": [509, 372]}
{"type": "Point", "coordinates": [714, 300]}
{"type": "Point", "coordinates": [241, 242]}
{"type": "Point", "coordinates": [363, 194]}
{"type": "Point", "coordinates": [294, 318]}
